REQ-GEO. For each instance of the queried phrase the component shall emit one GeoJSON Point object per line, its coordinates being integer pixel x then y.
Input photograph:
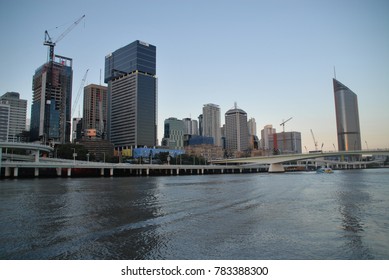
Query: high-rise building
{"type": "Point", "coordinates": [18, 114]}
{"type": "Point", "coordinates": [200, 117]}
{"type": "Point", "coordinates": [286, 142]}
{"type": "Point", "coordinates": [51, 101]}
{"type": "Point", "coordinates": [266, 135]}
{"type": "Point", "coordinates": [76, 129]}
{"type": "Point", "coordinates": [236, 131]}
{"type": "Point", "coordinates": [211, 122]}
{"type": "Point", "coordinates": [95, 110]}
{"type": "Point", "coordinates": [191, 126]}
{"type": "Point", "coordinates": [252, 125]}
{"type": "Point", "coordinates": [173, 136]}
{"type": "Point", "coordinates": [4, 121]}
{"type": "Point", "coordinates": [132, 95]}
{"type": "Point", "coordinates": [347, 118]}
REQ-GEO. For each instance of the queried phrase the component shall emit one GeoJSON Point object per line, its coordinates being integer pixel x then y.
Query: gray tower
{"type": "Point", "coordinates": [347, 118]}
{"type": "Point", "coordinates": [237, 133]}
{"type": "Point", "coordinates": [18, 112]}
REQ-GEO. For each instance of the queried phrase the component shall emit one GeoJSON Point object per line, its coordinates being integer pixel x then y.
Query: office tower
{"type": "Point", "coordinates": [51, 101]}
{"type": "Point", "coordinates": [76, 129]}
{"type": "Point", "coordinates": [236, 131]}
{"type": "Point", "coordinates": [266, 135]}
{"type": "Point", "coordinates": [191, 126]}
{"type": "Point", "coordinates": [347, 118]}
{"type": "Point", "coordinates": [132, 95]}
{"type": "Point", "coordinates": [211, 122]}
{"type": "Point", "coordinates": [95, 109]}
{"type": "Point", "coordinates": [4, 121]}
{"type": "Point", "coordinates": [252, 125]}
{"type": "Point", "coordinates": [201, 125]}
{"type": "Point", "coordinates": [173, 136]}
{"type": "Point", "coordinates": [18, 114]}
{"type": "Point", "coordinates": [286, 142]}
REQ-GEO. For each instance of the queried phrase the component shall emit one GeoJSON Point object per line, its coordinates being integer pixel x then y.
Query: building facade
{"type": "Point", "coordinates": [18, 114]}
{"type": "Point", "coordinates": [95, 112]}
{"type": "Point", "coordinates": [236, 130]}
{"type": "Point", "coordinates": [132, 95]}
{"type": "Point", "coordinates": [266, 135]}
{"type": "Point", "coordinates": [286, 142]}
{"type": "Point", "coordinates": [76, 129]}
{"type": "Point", "coordinates": [191, 126]}
{"type": "Point", "coordinates": [4, 121]}
{"type": "Point", "coordinates": [347, 118]}
{"type": "Point", "coordinates": [252, 125]}
{"type": "Point", "coordinates": [51, 102]}
{"type": "Point", "coordinates": [173, 136]}
{"type": "Point", "coordinates": [211, 122]}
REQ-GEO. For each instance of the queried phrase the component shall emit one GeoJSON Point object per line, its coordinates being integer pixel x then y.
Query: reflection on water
{"type": "Point", "coordinates": [251, 216]}
{"type": "Point", "coordinates": [351, 207]}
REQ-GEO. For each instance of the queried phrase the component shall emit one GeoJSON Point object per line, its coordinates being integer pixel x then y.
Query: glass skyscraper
{"type": "Point", "coordinates": [132, 95]}
{"type": "Point", "coordinates": [347, 118]}
{"type": "Point", "coordinates": [51, 101]}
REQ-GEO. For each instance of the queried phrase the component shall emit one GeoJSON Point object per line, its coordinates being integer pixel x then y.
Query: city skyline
{"type": "Point", "coordinates": [275, 59]}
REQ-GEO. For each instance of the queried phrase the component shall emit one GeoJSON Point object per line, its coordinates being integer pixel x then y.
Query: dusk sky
{"type": "Point", "coordinates": [275, 59]}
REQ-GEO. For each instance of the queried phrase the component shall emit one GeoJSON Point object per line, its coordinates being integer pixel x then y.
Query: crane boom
{"type": "Point", "coordinates": [283, 124]}
{"type": "Point", "coordinates": [283, 133]}
{"type": "Point", "coordinates": [79, 93]}
{"type": "Point", "coordinates": [314, 140]}
{"type": "Point", "coordinates": [49, 41]}
{"type": "Point", "coordinates": [60, 37]}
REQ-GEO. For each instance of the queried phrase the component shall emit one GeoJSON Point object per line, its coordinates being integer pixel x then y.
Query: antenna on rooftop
{"type": "Point", "coordinates": [334, 73]}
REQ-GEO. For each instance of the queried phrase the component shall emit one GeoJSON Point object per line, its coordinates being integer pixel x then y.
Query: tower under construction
{"type": "Point", "coordinates": [51, 101]}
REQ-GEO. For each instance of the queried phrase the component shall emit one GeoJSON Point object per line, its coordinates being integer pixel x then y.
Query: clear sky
{"type": "Point", "coordinates": [274, 58]}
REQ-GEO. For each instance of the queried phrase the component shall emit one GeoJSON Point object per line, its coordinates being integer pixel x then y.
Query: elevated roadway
{"type": "Point", "coordinates": [275, 161]}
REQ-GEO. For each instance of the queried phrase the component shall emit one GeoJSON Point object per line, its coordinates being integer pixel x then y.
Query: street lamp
{"type": "Point", "coordinates": [74, 156]}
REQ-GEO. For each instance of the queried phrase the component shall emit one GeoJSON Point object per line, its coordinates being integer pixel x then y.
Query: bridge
{"type": "Point", "coordinates": [276, 161]}
{"type": "Point", "coordinates": [237, 165]}
{"type": "Point", "coordinates": [63, 167]}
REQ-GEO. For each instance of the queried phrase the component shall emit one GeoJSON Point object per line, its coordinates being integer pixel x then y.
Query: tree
{"type": "Point", "coordinates": [66, 151]}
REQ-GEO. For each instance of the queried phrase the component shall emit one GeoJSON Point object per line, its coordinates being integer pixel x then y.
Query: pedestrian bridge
{"type": "Point", "coordinates": [276, 161]}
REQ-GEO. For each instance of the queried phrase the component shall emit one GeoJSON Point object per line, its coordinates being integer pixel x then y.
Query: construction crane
{"type": "Point", "coordinates": [79, 92]}
{"type": "Point", "coordinates": [314, 140]}
{"type": "Point", "coordinates": [50, 78]}
{"type": "Point", "coordinates": [49, 41]}
{"type": "Point", "coordinates": [283, 124]}
{"type": "Point", "coordinates": [283, 133]}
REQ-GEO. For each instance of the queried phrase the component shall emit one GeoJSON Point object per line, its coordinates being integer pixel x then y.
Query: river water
{"type": "Point", "coordinates": [237, 216]}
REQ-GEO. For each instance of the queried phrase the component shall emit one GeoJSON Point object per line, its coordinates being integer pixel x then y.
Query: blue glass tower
{"type": "Point", "coordinates": [132, 95]}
